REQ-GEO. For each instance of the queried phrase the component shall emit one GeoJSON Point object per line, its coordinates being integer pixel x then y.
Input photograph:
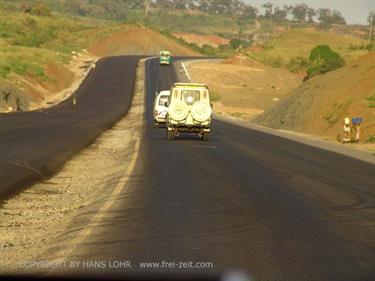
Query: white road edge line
{"type": "Point", "coordinates": [187, 75]}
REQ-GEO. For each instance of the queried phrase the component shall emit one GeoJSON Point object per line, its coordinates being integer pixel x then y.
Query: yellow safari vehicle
{"type": "Point", "coordinates": [189, 110]}
{"type": "Point", "coordinates": [165, 58]}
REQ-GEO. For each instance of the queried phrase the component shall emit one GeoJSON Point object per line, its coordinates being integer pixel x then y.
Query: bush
{"type": "Point", "coordinates": [214, 96]}
{"type": "Point", "coordinates": [297, 64]}
{"type": "Point", "coordinates": [370, 47]}
{"type": "Point", "coordinates": [323, 60]}
{"type": "Point", "coordinates": [371, 100]}
{"type": "Point", "coordinates": [208, 50]}
{"type": "Point", "coordinates": [21, 67]}
{"type": "Point", "coordinates": [275, 62]}
{"type": "Point", "coordinates": [235, 43]}
{"type": "Point", "coordinates": [40, 9]}
{"type": "Point", "coordinates": [35, 38]}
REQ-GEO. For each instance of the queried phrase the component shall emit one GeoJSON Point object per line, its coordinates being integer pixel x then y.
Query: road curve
{"type": "Point", "coordinates": [278, 209]}
{"type": "Point", "coordinates": [33, 145]}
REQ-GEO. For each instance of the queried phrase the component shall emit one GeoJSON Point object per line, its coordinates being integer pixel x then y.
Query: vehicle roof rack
{"type": "Point", "coordinates": [197, 85]}
{"type": "Point", "coordinates": [165, 53]}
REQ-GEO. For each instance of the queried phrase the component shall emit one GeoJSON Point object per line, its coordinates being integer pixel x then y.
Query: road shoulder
{"type": "Point", "coordinates": [33, 222]}
{"type": "Point", "coordinates": [312, 140]}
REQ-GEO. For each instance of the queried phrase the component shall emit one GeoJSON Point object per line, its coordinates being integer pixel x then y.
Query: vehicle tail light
{"type": "Point", "coordinates": [205, 95]}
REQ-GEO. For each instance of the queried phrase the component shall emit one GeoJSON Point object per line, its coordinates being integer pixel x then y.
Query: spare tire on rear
{"type": "Point", "coordinates": [201, 111]}
{"type": "Point", "coordinates": [178, 110]}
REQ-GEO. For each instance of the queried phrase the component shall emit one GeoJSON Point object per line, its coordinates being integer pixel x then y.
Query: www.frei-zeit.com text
{"type": "Point", "coordinates": [117, 264]}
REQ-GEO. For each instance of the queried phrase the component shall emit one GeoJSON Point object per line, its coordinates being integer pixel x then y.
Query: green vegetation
{"type": "Point", "coordinates": [37, 9]}
{"type": "Point", "coordinates": [31, 37]}
{"type": "Point", "coordinates": [369, 47]}
{"type": "Point", "coordinates": [205, 49]}
{"type": "Point", "coordinates": [33, 33]}
{"type": "Point", "coordinates": [298, 63]}
{"type": "Point", "coordinates": [292, 48]}
{"type": "Point", "coordinates": [371, 100]}
{"type": "Point", "coordinates": [224, 17]}
{"type": "Point", "coordinates": [323, 60]}
{"type": "Point", "coordinates": [236, 43]}
{"type": "Point", "coordinates": [214, 96]}
{"type": "Point", "coordinates": [371, 139]}
{"type": "Point", "coordinates": [193, 23]}
{"type": "Point", "coordinates": [21, 67]}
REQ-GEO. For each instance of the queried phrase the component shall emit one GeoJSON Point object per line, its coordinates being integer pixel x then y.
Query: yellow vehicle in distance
{"type": "Point", "coordinates": [190, 110]}
{"type": "Point", "coordinates": [165, 58]}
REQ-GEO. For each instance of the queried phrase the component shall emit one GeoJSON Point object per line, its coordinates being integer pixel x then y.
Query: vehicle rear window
{"type": "Point", "coordinates": [190, 96]}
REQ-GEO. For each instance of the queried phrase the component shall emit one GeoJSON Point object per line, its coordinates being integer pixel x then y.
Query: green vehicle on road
{"type": "Point", "coordinates": [165, 58]}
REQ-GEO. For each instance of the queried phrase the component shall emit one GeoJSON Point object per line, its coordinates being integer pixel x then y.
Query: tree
{"type": "Point", "coordinates": [235, 43]}
{"type": "Point", "coordinates": [164, 4]}
{"type": "Point", "coordinates": [310, 14]}
{"type": "Point", "coordinates": [288, 9]}
{"type": "Point", "coordinates": [299, 12]}
{"type": "Point", "coordinates": [337, 18]}
{"type": "Point", "coordinates": [324, 60]}
{"type": "Point", "coordinates": [204, 5]}
{"type": "Point", "coordinates": [323, 15]}
{"type": "Point", "coordinates": [279, 14]}
{"type": "Point", "coordinates": [268, 12]}
{"type": "Point", "coordinates": [371, 16]}
{"type": "Point", "coordinates": [249, 12]}
{"type": "Point", "coordinates": [328, 17]}
{"type": "Point", "coordinates": [371, 21]}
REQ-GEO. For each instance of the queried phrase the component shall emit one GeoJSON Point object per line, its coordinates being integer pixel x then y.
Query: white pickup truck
{"type": "Point", "coordinates": [161, 107]}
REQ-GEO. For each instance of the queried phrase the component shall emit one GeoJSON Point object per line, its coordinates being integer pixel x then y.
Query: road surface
{"type": "Point", "coordinates": [275, 208]}
{"type": "Point", "coordinates": [33, 145]}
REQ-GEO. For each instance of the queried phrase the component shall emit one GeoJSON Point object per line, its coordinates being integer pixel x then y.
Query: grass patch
{"type": "Point", "coordinates": [371, 100]}
{"type": "Point", "coordinates": [214, 96]}
{"type": "Point", "coordinates": [295, 45]}
{"type": "Point", "coordinates": [181, 21]}
{"type": "Point", "coordinates": [371, 139]}
{"type": "Point", "coordinates": [237, 114]}
{"type": "Point", "coordinates": [338, 110]}
{"type": "Point", "coordinates": [28, 42]}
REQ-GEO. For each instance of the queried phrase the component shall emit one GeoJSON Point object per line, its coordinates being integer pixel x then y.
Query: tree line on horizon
{"type": "Point", "coordinates": [117, 9]}
{"type": "Point", "coordinates": [299, 12]}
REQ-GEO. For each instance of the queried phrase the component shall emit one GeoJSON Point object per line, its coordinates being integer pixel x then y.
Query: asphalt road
{"type": "Point", "coordinates": [33, 145]}
{"type": "Point", "coordinates": [277, 209]}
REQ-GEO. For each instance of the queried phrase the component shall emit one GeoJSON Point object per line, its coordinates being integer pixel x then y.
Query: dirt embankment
{"type": "Point", "coordinates": [320, 105]}
{"type": "Point", "coordinates": [242, 87]}
{"type": "Point", "coordinates": [137, 40]}
{"type": "Point", "coordinates": [200, 40]}
{"type": "Point", "coordinates": [23, 93]}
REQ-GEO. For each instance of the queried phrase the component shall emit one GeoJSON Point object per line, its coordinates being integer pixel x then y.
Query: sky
{"type": "Point", "coordinates": [354, 11]}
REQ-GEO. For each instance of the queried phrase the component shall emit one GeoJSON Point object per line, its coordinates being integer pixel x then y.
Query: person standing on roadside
{"type": "Point", "coordinates": [347, 130]}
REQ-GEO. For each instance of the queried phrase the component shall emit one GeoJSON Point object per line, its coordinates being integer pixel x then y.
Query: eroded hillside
{"type": "Point", "coordinates": [319, 105]}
